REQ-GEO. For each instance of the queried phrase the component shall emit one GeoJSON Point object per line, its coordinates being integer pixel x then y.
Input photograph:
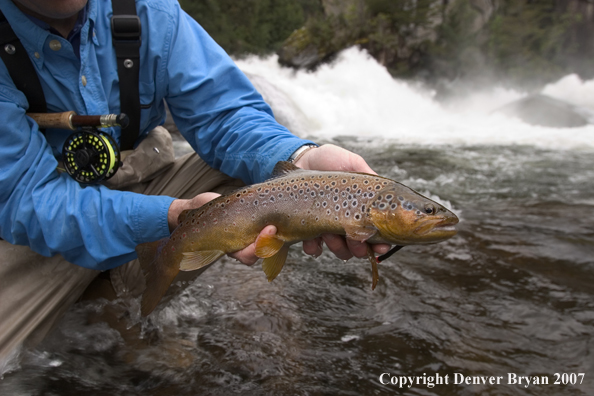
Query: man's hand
{"type": "Point", "coordinates": [328, 158]}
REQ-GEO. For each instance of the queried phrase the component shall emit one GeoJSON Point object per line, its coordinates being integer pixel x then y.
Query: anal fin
{"type": "Point", "coordinates": [195, 260]}
{"type": "Point", "coordinates": [273, 265]}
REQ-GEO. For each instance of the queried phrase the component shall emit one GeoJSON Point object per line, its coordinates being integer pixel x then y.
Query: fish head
{"type": "Point", "coordinates": [405, 217]}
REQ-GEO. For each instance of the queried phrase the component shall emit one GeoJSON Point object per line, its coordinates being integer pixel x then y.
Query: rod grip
{"type": "Point", "coordinates": [54, 120]}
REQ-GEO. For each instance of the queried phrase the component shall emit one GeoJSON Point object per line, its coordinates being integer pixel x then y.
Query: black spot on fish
{"type": "Point", "coordinates": [400, 198]}
{"type": "Point", "coordinates": [354, 203]}
{"type": "Point", "coordinates": [324, 204]}
{"type": "Point", "coordinates": [389, 197]}
{"type": "Point", "coordinates": [345, 204]}
{"type": "Point", "coordinates": [337, 207]}
{"type": "Point", "coordinates": [357, 216]}
{"type": "Point", "coordinates": [335, 198]}
{"type": "Point", "coordinates": [347, 213]}
{"type": "Point", "coordinates": [255, 202]}
{"type": "Point", "coordinates": [272, 199]}
{"type": "Point", "coordinates": [393, 206]}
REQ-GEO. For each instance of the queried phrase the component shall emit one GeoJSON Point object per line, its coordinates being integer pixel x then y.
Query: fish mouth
{"type": "Point", "coordinates": [441, 228]}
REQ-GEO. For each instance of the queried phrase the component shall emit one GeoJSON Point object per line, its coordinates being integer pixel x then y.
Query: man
{"type": "Point", "coordinates": [57, 235]}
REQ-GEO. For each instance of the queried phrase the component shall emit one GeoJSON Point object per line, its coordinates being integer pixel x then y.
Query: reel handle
{"type": "Point", "coordinates": [70, 120]}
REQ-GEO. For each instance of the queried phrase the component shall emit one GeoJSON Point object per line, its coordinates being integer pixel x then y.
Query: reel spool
{"type": "Point", "coordinates": [90, 156]}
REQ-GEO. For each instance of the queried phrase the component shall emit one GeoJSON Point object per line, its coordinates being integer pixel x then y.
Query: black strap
{"type": "Point", "coordinates": [125, 32]}
{"type": "Point", "coordinates": [20, 67]}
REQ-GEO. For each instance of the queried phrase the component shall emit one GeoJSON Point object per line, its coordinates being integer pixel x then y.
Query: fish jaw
{"type": "Point", "coordinates": [438, 229]}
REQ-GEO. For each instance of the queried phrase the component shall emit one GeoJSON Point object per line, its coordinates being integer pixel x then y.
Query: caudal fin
{"type": "Point", "coordinates": [158, 273]}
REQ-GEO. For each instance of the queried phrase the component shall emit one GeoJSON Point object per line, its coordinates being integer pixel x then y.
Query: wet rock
{"type": "Point", "coordinates": [546, 111]}
{"type": "Point", "coordinates": [300, 51]}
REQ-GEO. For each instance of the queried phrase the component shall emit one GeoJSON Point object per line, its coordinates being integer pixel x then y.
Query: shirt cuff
{"type": "Point", "coordinates": [150, 218]}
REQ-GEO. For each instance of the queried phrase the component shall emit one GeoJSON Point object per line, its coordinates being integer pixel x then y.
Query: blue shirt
{"type": "Point", "coordinates": [212, 102]}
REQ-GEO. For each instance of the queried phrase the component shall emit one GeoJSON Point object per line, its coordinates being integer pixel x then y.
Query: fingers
{"type": "Point", "coordinates": [313, 247]}
{"type": "Point", "coordinates": [343, 248]}
{"type": "Point", "coordinates": [248, 256]}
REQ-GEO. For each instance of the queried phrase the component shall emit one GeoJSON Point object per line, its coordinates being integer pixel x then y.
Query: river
{"type": "Point", "coordinates": [512, 295]}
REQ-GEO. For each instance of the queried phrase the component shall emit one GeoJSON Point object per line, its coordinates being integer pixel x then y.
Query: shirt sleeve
{"type": "Point", "coordinates": [93, 227]}
{"type": "Point", "coordinates": [218, 110]}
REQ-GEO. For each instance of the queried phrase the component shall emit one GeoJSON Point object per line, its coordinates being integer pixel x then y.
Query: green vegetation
{"type": "Point", "coordinates": [250, 26]}
{"type": "Point", "coordinates": [533, 41]}
{"type": "Point", "coordinates": [529, 37]}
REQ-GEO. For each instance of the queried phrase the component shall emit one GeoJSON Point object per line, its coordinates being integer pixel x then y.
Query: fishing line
{"type": "Point", "coordinates": [387, 255]}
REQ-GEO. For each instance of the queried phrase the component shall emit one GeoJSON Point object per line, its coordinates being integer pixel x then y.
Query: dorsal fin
{"type": "Point", "coordinates": [283, 168]}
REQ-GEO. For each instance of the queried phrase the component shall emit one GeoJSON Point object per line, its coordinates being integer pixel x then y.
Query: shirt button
{"type": "Point", "coordinates": [55, 45]}
{"type": "Point", "coordinates": [84, 81]}
{"type": "Point", "coordinates": [37, 56]}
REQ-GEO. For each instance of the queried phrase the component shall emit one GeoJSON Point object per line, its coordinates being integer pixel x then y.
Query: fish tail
{"type": "Point", "coordinates": [158, 273]}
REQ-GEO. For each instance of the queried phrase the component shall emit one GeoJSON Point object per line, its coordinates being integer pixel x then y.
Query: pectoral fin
{"type": "Point", "coordinates": [359, 233]}
{"type": "Point", "coordinates": [196, 260]}
{"type": "Point", "coordinates": [273, 265]}
{"type": "Point", "coordinates": [268, 245]}
{"type": "Point", "coordinates": [374, 271]}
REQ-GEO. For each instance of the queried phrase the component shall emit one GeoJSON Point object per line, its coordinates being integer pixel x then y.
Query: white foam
{"type": "Point", "coordinates": [356, 96]}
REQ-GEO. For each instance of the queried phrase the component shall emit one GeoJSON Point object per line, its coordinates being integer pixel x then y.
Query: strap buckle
{"type": "Point", "coordinates": [125, 28]}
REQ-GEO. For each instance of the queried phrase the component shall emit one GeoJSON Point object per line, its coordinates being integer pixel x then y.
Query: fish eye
{"type": "Point", "coordinates": [430, 209]}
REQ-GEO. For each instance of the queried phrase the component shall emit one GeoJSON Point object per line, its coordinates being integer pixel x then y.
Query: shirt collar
{"type": "Point", "coordinates": [80, 21]}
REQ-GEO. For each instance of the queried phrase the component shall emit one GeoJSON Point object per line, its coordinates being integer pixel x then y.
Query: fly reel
{"type": "Point", "coordinates": [90, 155]}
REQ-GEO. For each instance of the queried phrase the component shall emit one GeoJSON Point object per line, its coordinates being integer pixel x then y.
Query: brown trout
{"type": "Point", "coordinates": [302, 204]}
